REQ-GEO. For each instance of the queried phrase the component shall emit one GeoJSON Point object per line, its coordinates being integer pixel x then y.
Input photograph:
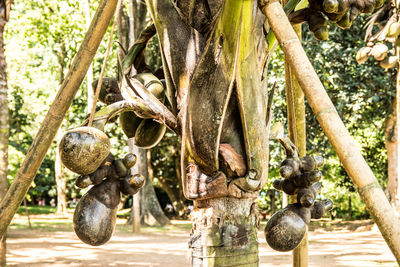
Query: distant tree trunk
{"type": "Point", "coordinates": [151, 211]}
{"type": "Point", "coordinates": [61, 179]}
{"type": "Point", "coordinates": [177, 203]}
{"type": "Point", "coordinates": [89, 74]}
{"type": "Point", "coordinates": [271, 194]}
{"type": "Point", "coordinates": [391, 143]}
{"type": "Point", "coordinates": [4, 121]}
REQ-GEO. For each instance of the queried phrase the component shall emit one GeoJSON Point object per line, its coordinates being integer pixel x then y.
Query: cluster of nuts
{"type": "Point", "coordinates": [379, 50]}
{"type": "Point", "coordinates": [286, 228]}
{"type": "Point", "coordinates": [86, 151]}
{"type": "Point", "coordinates": [147, 132]}
{"type": "Point", "coordinates": [341, 12]}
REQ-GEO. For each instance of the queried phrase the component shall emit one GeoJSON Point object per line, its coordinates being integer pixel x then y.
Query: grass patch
{"type": "Point", "coordinates": [34, 210]}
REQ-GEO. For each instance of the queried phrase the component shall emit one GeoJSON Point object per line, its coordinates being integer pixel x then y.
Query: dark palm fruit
{"type": "Point", "coordinates": [108, 86]}
{"type": "Point", "coordinates": [285, 185]}
{"type": "Point", "coordinates": [289, 167]}
{"type": "Point", "coordinates": [83, 181]}
{"type": "Point", "coordinates": [334, 17]}
{"type": "Point", "coordinates": [149, 134]}
{"type": "Point", "coordinates": [308, 178]}
{"type": "Point", "coordinates": [316, 5]}
{"type": "Point", "coordinates": [83, 149]}
{"type": "Point", "coordinates": [331, 6]}
{"type": "Point", "coordinates": [321, 33]}
{"type": "Point", "coordinates": [316, 21]}
{"type": "Point", "coordinates": [299, 16]}
{"type": "Point", "coordinates": [306, 196]}
{"type": "Point", "coordinates": [129, 160]}
{"type": "Point", "coordinates": [309, 163]}
{"type": "Point", "coordinates": [130, 185]}
{"type": "Point", "coordinates": [129, 123]}
{"type": "Point", "coordinates": [344, 22]}
{"type": "Point", "coordinates": [344, 5]}
{"type": "Point", "coordinates": [286, 228]}
{"type": "Point", "coordinates": [320, 207]}
{"type": "Point", "coordinates": [96, 213]}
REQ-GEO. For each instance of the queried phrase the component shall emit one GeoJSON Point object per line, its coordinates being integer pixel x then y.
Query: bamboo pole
{"type": "Point", "coordinates": [345, 146]}
{"type": "Point", "coordinates": [56, 113]}
{"type": "Point", "coordinates": [297, 133]}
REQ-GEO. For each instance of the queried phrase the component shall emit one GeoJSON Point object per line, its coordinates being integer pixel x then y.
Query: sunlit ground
{"type": "Point", "coordinates": [52, 242]}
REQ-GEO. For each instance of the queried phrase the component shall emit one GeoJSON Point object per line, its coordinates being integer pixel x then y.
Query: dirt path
{"type": "Point", "coordinates": [40, 247]}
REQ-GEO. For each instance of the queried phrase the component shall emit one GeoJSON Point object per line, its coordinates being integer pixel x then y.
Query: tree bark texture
{"type": "Point", "coordinates": [4, 121]}
{"type": "Point", "coordinates": [89, 74]}
{"type": "Point", "coordinates": [56, 113]}
{"type": "Point", "coordinates": [391, 144]}
{"type": "Point", "coordinates": [151, 211]}
{"type": "Point", "coordinates": [344, 145]}
{"type": "Point", "coordinates": [210, 58]}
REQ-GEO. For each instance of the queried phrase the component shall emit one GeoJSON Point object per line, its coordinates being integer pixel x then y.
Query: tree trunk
{"type": "Point", "coordinates": [89, 74]}
{"type": "Point", "coordinates": [4, 121]}
{"type": "Point", "coordinates": [177, 203]}
{"type": "Point", "coordinates": [224, 233]}
{"type": "Point", "coordinates": [392, 146]}
{"type": "Point", "coordinates": [61, 181]}
{"type": "Point", "coordinates": [151, 211]}
{"type": "Point", "coordinates": [271, 194]}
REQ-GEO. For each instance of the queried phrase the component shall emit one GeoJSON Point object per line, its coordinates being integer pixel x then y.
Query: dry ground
{"type": "Point", "coordinates": [52, 242]}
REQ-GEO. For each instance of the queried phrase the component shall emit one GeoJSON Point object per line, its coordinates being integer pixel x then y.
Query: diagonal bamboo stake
{"type": "Point", "coordinates": [345, 146]}
{"type": "Point", "coordinates": [56, 113]}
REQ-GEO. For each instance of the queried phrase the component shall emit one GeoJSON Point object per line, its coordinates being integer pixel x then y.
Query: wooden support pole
{"type": "Point", "coordinates": [345, 146]}
{"type": "Point", "coordinates": [297, 133]}
{"type": "Point", "coordinates": [56, 113]}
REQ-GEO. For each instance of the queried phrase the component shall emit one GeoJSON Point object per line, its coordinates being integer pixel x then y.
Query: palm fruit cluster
{"type": "Point", "coordinates": [287, 227]}
{"type": "Point", "coordinates": [377, 46]}
{"type": "Point", "coordinates": [86, 151]}
{"type": "Point", "coordinates": [341, 12]}
{"type": "Point", "coordinates": [147, 132]}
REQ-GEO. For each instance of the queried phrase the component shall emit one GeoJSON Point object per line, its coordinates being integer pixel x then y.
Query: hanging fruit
{"type": "Point", "coordinates": [83, 149]}
{"type": "Point", "coordinates": [96, 213]}
{"type": "Point", "coordinates": [286, 228]}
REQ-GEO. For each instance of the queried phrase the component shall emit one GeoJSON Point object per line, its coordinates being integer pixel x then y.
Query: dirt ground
{"type": "Point", "coordinates": [362, 245]}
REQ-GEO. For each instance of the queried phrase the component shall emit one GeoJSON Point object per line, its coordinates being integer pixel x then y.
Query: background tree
{"type": "Point", "coordinates": [5, 7]}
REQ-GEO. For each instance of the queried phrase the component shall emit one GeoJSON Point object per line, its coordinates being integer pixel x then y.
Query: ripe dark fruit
{"type": "Point", "coordinates": [129, 160]}
{"type": "Point", "coordinates": [96, 213]}
{"type": "Point", "coordinates": [331, 6]}
{"type": "Point", "coordinates": [83, 149]}
{"type": "Point", "coordinates": [321, 33]}
{"type": "Point", "coordinates": [286, 228]}
{"type": "Point", "coordinates": [129, 123]}
{"type": "Point", "coordinates": [320, 207]}
{"type": "Point", "coordinates": [149, 134]}
{"type": "Point", "coordinates": [130, 185]}
{"type": "Point", "coordinates": [83, 181]}
{"type": "Point", "coordinates": [345, 21]}
{"type": "Point", "coordinates": [109, 87]}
